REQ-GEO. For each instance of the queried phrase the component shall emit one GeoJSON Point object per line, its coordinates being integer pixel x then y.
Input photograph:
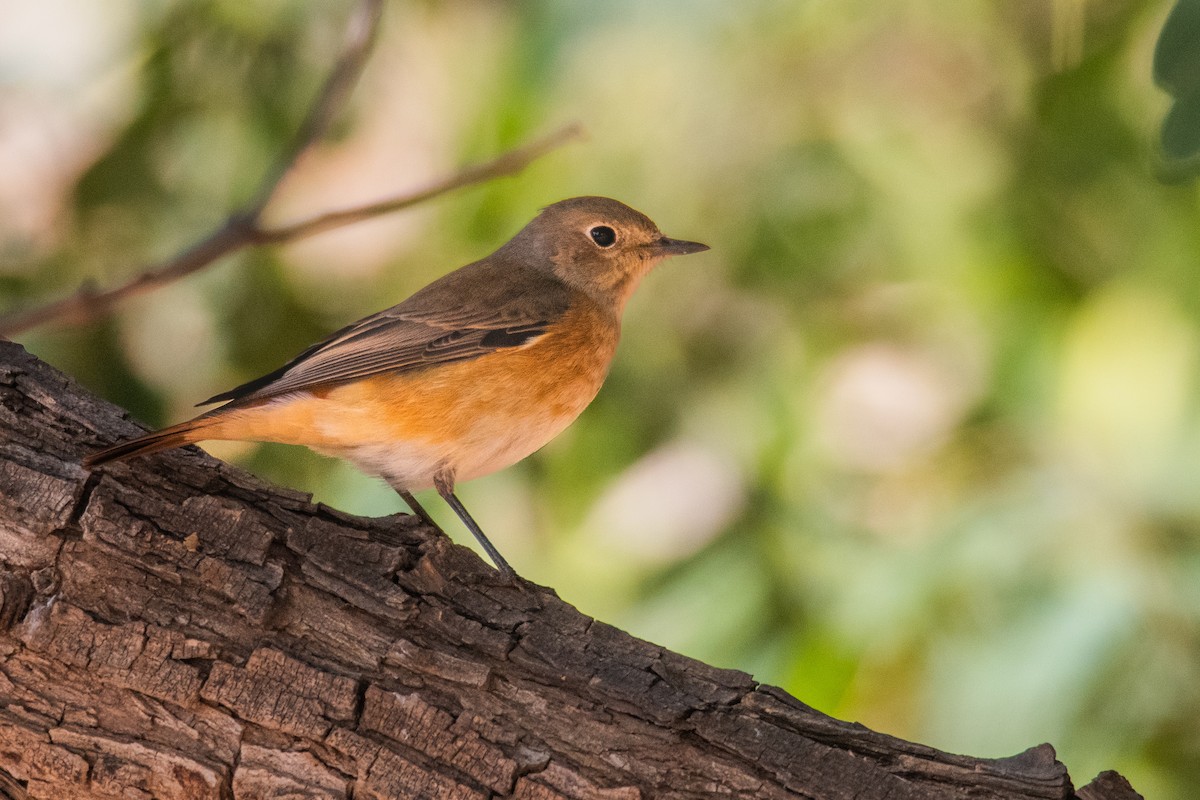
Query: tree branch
{"type": "Point", "coordinates": [505, 164]}
{"type": "Point", "coordinates": [361, 32]}
{"type": "Point", "coordinates": [174, 628]}
{"type": "Point", "coordinates": [239, 231]}
{"type": "Point", "coordinates": [243, 228]}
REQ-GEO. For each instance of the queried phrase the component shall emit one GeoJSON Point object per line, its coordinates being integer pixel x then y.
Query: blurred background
{"type": "Point", "coordinates": [918, 441]}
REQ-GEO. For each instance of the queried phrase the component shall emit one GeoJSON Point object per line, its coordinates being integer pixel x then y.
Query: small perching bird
{"type": "Point", "coordinates": [469, 375]}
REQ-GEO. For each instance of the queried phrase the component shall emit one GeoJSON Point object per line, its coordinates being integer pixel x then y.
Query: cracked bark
{"type": "Point", "coordinates": [175, 628]}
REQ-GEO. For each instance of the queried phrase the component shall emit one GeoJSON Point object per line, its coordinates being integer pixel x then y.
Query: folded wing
{"type": "Point", "coordinates": [477, 310]}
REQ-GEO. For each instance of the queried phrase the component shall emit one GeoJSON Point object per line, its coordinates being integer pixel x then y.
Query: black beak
{"type": "Point", "coordinates": [675, 247]}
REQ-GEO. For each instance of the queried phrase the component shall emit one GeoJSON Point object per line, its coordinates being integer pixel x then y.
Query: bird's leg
{"type": "Point", "coordinates": [444, 483]}
{"type": "Point", "coordinates": [418, 509]}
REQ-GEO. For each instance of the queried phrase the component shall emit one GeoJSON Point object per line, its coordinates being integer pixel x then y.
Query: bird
{"type": "Point", "coordinates": [469, 375]}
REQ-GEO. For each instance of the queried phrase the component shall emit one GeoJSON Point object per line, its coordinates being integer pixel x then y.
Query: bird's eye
{"type": "Point", "coordinates": [603, 235]}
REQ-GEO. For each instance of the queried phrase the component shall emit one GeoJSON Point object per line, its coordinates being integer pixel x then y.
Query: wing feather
{"type": "Point", "coordinates": [479, 309]}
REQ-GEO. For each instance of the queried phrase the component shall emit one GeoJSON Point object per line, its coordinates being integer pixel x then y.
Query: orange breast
{"type": "Point", "coordinates": [474, 416]}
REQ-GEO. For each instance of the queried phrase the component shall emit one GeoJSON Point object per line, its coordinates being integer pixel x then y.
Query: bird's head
{"type": "Point", "coordinates": [598, 245]}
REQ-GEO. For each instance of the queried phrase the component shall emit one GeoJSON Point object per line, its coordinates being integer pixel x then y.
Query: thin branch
{"type": "Point", "coordinates": [88, 302]}
{"type": "Point", "coordinates": [503, 165]}
{"type": "Point", "coordinates": [243, 228]}
{"type": "Point", "coordinates": [240, 231]}
{"type": "Point", "coordinates": [361, 32]}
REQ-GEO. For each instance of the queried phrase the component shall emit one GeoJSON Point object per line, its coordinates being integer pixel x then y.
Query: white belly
{"type": "Point", "coordinates": [411, 465]}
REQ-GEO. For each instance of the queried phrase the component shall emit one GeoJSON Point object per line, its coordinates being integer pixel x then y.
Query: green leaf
{"type": "Point", "coordinates": [1177, 70]}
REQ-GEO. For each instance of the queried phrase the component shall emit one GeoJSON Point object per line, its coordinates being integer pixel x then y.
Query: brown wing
{"type": "Point", "coordinates": [483, 307]}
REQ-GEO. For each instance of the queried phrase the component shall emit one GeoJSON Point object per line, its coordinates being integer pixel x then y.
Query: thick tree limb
{"type": "Point", "coordinates": [175, 628]}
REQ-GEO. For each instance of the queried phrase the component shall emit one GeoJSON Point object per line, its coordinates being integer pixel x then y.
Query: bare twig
{"type": "Point", "coordinates": [240, 231]}
{"type": "Point", "coordinates": [240, 228]}
{"type": "Point", "coordinates": [243, 228]}
{"type": "Point", "coordinates": [361, 32]}
{"type": "Point", "coordinates": [508, 163]}
{"type": "Point", "coordinates": [87, 302]}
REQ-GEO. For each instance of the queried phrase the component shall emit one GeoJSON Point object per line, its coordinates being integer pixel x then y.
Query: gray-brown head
{"type": "Point", "coordinates": [597, 245]}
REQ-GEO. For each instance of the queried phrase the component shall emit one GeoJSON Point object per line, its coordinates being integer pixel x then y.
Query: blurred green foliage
{"type": "Point", "coordinates": [1177, 70]}
{"type": "Point", "coordinates": [919, 440]}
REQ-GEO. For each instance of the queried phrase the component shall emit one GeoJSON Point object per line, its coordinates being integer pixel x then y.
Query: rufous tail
{"type": "Point", "coordinates": [166, 439]}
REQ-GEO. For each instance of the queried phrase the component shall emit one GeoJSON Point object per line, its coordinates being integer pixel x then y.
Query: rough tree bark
{"type": "Point", "coordinates": [175, 628]}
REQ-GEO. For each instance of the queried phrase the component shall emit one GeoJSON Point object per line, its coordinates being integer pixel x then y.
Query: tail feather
{"type": "Point", "coordinates": [166, 439]}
